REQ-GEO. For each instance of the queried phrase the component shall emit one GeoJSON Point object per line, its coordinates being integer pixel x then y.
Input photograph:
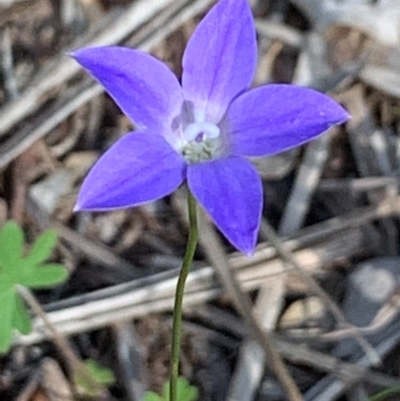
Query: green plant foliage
{"type": "Point", "coordinates": [389, 393]}
{"type": "Point", "coordinates": [101, 375]}
{"type": "Point", "coordinates": [186, 392]}
{"type": "Point", "coordinates": [29, 270]}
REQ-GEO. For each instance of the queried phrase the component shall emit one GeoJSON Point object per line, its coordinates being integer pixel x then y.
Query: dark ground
{"type": "Point", "coordinates": [334, 205]}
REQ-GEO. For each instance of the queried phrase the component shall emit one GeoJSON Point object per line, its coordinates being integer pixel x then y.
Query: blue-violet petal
{"type": "Point", "coordinates": [230, 191]}
{"type": "Point", "coordinates": [220, 58]}
{"type": "Point", "coordinates": [138, 168]}
{"type": "Point", "coordinates": [145, 89]}
{"type": "Point", "coordinates": [273, 118]}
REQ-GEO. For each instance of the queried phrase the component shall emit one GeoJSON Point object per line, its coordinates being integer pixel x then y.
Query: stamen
{"type": "Point", "coordinates": [201, 138]}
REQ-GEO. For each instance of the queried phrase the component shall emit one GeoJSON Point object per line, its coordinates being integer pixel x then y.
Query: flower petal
{"type": "Point", "coordinates": [230, 191]}
{"type": "Point", "coordinates": [138, 168]}
{"type": "Point", "coordinates": [144, 88]}
{"type": "Point", "coordinates": [220, 58]}
{"type": "Point", "coordinates": [274, 118]}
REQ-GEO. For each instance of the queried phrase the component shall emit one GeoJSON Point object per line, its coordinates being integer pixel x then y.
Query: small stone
{"type": "Point", "coordinates": [369, 287]}
{"type": "Point", "coordinates": [48, 192]}
{"type": "Point", "coordinates": [303, 315]}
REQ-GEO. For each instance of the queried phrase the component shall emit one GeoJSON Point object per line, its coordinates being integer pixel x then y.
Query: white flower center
{"type": "Point", "coordinates": [202, 139]}
{"type": "Point", "coordinates": [201, 131]}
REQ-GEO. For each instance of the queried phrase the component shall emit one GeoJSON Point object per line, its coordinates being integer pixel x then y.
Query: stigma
{"type": "Point", "coordinates": [200, 131]}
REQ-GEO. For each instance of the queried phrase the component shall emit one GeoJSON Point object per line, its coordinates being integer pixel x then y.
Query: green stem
{"type": "Point", "coordinates": [384, 395]}
{"type": "Point", "coordinates": [180, 288]}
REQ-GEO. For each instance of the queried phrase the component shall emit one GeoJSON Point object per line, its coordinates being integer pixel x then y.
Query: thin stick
{"type": "Point", "coordinates": [288, 258]}
{"type": "Point", "coordinates": [214, 250]}
{"type": "Point", "coordinates": [75, 364]}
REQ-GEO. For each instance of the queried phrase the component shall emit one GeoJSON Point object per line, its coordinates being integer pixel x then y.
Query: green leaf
{"type": "Point", "coordinates": [45, 276]}
{"type": "Point", "coordinates": [100, 374]}
{"type": "Point", "coordinates": [21, 318]}
{"type": "Point", "coordinates": [42, 248]}
{"type": "Point", "coordinates": [11, 246]}
{"type": "Point", "coordinates": [5, 283]}
{"type": "Point", "coordinates": [185, 392]}
{"type": "Point", "coordinates": [150, 396]}
{"type": "Point", "coordinates": [15, 269]}
{"type": "Point", "coordinates": [7, 302]}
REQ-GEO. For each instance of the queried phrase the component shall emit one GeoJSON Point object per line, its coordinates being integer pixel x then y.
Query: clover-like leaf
{"type": "Point", "coordinates": [7, 305]}
{"type": "Point", "coordinates": [21, 318]}
{"type": "Point", "coordinates": [30, 271]}
{"type": "Point", "coordinates": [11, 245]}
{"type": "Point", "coordinates": [45, 276]}
{"type": "Point", "coordinates": [6, 279]}
{"type": "Point", "coordinates": [151, 396]}
{"type": "Point", "coordinates": [42, 248]}
{"type": "Point", "coordinates": [99, 374]}
{"type": "Point", "coordinates": [185, 392]}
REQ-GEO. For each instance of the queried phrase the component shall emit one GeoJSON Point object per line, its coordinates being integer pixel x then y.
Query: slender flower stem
{"type": "Point", "coordinates": [180, 288]}
{"type": "Point", "coordinates": [385, 394]}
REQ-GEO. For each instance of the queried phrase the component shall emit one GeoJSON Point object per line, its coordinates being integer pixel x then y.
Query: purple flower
{"type": "Point", "coordinates": [201, 130]}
